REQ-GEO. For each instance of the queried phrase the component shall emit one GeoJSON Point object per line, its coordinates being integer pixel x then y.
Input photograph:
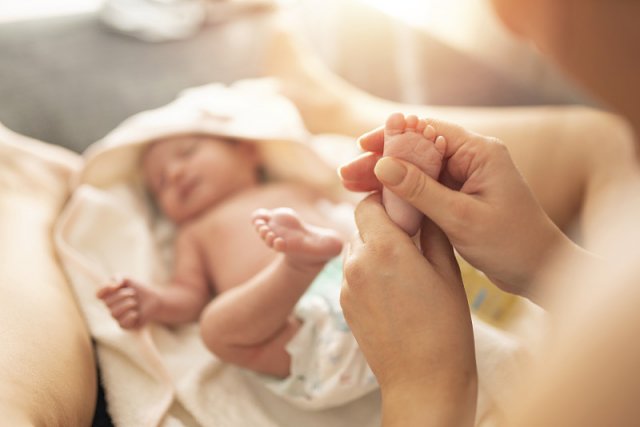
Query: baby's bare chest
{"type": "Point", "coordinates": [232, 250]}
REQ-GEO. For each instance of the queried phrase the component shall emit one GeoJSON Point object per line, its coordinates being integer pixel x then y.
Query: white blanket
{"type": "Point", "coordinates": [160, 376]}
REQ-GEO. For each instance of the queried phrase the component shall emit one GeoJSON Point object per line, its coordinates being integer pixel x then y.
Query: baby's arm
{"type": "Point", "coordinates": [133, 304]}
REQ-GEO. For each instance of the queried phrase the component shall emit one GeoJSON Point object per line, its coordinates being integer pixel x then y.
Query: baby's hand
{"type": "Point", "coordinates": [130, 303]}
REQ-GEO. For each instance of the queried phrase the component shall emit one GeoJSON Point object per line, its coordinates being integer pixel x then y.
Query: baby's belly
{"type": "Point", "coordinates": [237, 259]}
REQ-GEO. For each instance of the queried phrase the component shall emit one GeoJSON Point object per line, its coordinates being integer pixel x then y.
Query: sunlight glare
{"type": "Point", "coordinates": [454, 21]}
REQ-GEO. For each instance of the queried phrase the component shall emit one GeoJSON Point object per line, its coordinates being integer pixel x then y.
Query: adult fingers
{"type": "Point", "coordinates": [374, 225]}
{"type": "Point", "coordinates": [360, 187]}
{"type": "Point", "coordinates": [358, 175]}
{"type": "Point", "coordinates": [466, 151]}
{"type": "Point", "coordinates": [373, 140]}
{"type": "Point", "coordinates": [437, 249]}
{"type": "Point", "coordinates": [456, 136]}
{"type": "Point", "coordinates": [447, 208]}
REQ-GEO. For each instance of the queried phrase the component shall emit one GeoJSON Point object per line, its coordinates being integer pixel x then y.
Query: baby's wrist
{"type": "Point", "coordinates": [152, 307]}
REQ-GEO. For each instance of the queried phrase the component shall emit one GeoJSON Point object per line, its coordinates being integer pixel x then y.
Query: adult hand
{"type": "Point", "coordinates": [481, 202]}
{"type": "Point", "coordinates": [408, 311]}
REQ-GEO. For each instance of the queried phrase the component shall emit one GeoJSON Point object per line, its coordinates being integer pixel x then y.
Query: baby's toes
{"type": "Point", "coordinates": [263, 230]}
{"type": "Point", "coordinates": [261, 214]}
{"type": "Point", "coordinates": [441, 144]}
{"type": "Point", "coordinates": [269, 238]}
{"type": "Point", "coordinates": [421, 126]}
{"type": "Point", "coordinates": [411, 123]}
{"type": "Point", "coordinates": [258, 222]}
{"type": "Point", "coordinates": [429, 132]}
{"type": "Point", "coordinates": [394, 125]}
{"type": "Point", "coordinates": [279, 244]}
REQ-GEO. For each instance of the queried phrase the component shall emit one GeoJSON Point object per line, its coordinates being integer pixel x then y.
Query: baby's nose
{"type": "Point", "coordinates": [174, 172]}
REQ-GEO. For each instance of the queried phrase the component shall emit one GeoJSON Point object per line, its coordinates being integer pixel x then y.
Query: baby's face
{"type": "Point", "coordinates": [189, 174]}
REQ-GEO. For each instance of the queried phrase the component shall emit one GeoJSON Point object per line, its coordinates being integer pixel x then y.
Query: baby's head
{"type": "Point", "coordinates": [188, 174]}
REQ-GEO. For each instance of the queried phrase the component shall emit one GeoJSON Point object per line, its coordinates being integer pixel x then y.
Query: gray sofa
{"type": "Point", "coordinates": [69, 80]}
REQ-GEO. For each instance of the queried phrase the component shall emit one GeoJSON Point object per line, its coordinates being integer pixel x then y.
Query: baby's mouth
{"type": "Point", "coordinates": [187, 187]}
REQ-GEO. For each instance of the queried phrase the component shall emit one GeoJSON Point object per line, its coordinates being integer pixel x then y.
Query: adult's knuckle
{"type": "Point", "coordinates": [345, 296]}
{"type": "Point", "coordinates": [354, 270]}
{"type": "Point", "coordinates": [495, 146]}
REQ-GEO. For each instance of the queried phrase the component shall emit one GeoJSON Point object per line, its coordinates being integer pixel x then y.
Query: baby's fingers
{"type": "Point", "coordinates": [117, 295]}
{"type": "Point", "coordinates": [122, 306]}
{"type": "Point", "coordinates": [129, 320]}
{"type": "Point", "coordinates": [112, 287]}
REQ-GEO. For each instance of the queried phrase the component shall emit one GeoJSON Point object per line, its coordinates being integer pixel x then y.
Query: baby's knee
{"type": "Point", "coordinates": [218, 341]}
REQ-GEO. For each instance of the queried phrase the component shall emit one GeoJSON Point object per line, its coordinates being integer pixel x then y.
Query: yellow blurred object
{"type": "Point", "coordinates": [486, 300]}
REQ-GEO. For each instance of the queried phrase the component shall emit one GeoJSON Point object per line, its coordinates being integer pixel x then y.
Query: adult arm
{"type": "Point", "coordinates": [486, 208]}
{"type": "Point", "coordinates": [408, 311]}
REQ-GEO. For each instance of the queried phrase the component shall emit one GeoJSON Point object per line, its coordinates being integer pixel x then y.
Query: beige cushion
{"type": "Point", "coordinates": [47, 368]}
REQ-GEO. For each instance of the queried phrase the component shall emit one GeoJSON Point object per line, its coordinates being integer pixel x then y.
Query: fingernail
{"type": "Point", "coordinates": [390, 171]}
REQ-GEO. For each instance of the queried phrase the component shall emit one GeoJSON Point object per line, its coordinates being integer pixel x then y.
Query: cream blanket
{"type": "Point", "coordinates": [160, 376]}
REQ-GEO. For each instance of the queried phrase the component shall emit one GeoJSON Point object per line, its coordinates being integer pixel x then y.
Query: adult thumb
{"type": "Point", "coordinates": [428, 195]}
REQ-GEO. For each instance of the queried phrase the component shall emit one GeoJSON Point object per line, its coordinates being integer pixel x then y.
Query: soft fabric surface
{"type": "Point", "coordinates": [108, 228]}
{"type": "Point", "coordinates": [155, 21]}
{"type": "Point", "coordinates": [160, 376]}
{"type": "Point", "coordinates": [47, 369]}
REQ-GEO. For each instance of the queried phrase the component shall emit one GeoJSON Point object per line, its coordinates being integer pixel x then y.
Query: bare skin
{"type": "Point", "coordinates": [558, 150]}
{"type": "Point", "coordinates": [589, 372]}
{"type": "Point", "coordinates": [249, 320]}
{"type": "Point", "coordinates": [412, 140]}
{"type": "Point", "coordinates": [250, 324]}
{"type": "Point", "coordinates": [303, 244]}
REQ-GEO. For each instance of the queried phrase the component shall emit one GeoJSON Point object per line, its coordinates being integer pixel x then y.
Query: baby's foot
{"type": "Point", "coordinates": [305, 245]}
{"type": "Point", "coordinates": [412, 140]}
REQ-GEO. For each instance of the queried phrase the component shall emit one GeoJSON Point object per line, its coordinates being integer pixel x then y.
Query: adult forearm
{"type": "Point", "coordinates": [557, 273]}
{"type": "Point", "coordinates": [452, 404]}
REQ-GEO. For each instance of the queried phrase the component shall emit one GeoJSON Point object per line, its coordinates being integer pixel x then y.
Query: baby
{"type": "Point", "coordinates": [242, 292]}
{"type": "Point", "coordinates": [412, 140]}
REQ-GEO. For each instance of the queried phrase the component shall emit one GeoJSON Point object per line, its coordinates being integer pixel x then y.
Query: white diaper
{"type": "Point", "coordinates": [327, 367]}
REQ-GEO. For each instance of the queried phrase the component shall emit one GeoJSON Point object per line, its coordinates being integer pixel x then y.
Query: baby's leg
{"type": "Point", "coordinates": [304, 245]}
{"type": "Point", "coordinates": [250, 325]}
{"type": "Point", "coordinates": [412, 140]}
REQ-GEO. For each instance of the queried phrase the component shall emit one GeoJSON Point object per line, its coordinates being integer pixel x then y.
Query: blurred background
{"type": "Point", "coordinates": [71, 70]}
